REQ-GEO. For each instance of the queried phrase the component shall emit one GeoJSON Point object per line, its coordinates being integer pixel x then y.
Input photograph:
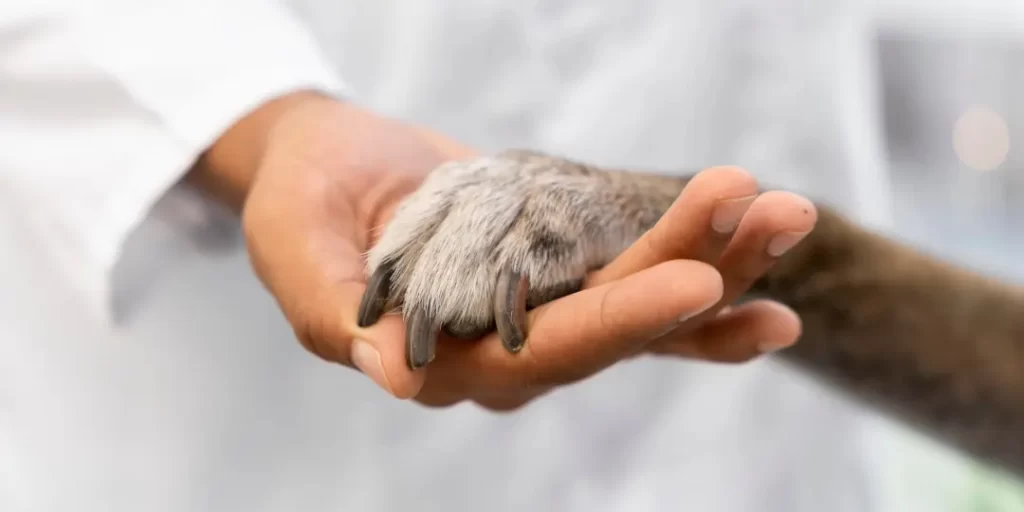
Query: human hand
{"type": "Point", "coordinates": [484, 238]}
{"type": "Point", "coordinates": [329, 174]}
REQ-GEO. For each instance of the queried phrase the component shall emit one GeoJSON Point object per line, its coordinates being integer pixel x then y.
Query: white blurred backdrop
{"type": "Point", "coordinates": [908, 119]}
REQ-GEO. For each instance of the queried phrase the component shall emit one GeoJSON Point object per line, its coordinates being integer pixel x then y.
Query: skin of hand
{"type": "Point", "coordinates": [314, 178]}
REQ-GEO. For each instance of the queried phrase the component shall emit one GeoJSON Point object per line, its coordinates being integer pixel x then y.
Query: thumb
{"type": "Point", "coordinates": [327, 327]}
{"type": "Point", "coordinates": [320, 297]}
{"type": "Point", "coordinates": [378, 350]}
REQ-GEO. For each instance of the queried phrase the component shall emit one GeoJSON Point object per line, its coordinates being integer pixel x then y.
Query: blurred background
{"type": "Point", "coordinates": [951, 75]}
{"type": "Point", "coordinates": [937, 164]}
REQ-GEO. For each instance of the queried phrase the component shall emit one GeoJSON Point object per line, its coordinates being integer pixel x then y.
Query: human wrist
{"type": "Point", "coordinates": [228, 168]}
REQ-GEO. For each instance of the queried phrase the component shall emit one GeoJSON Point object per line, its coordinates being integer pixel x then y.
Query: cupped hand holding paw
{"type": "Point", "coordinates": [512, 274]}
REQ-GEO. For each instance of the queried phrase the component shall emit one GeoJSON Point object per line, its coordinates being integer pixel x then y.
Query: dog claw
{"type": "Point", "coordinates": [510, 309]}
{"type": "Point", "coordinates": [371, 307]}
{"type": "Point", "coordinates": [420, 339]}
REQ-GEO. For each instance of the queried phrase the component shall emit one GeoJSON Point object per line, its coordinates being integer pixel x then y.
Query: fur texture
{"type": "Point", "coordinates": [550, 219]}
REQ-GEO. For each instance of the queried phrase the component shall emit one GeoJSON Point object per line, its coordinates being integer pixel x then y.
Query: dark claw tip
{"type": "Point", "coordinates": [510, 309]}
{"type": "Point", "coordinates": [420, 340]}
{"type": "Point", "coordinates": [371, 307]}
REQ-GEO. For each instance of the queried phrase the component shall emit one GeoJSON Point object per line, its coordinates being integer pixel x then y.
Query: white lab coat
{"type": "Point", "coordinates": [143, 368]}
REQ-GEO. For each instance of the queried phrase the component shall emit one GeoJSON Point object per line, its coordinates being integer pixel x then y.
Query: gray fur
{"type": "Point", "coordinates": [548, 218]}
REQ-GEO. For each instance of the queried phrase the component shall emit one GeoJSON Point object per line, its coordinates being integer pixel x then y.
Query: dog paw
{"type": "Point", "coordinates": [483, 240]}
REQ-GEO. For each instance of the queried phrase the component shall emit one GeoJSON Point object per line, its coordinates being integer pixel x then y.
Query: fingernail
{"type": "Point", "coordinates": [664, 331]}
{"type": "Point", "coordinates": [728, 214]}
{"type": "Point", "coordinates": [783, 242]}
{"type": "Point", "coordinates": [772, 346]}
{"type": "Point", "coordinates": [690, 314]}
{"type": "Point", "coordinates": [368, 360]}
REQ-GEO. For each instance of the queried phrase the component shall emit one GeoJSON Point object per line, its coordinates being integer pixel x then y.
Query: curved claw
{"type": "Point", "coordinates": [371, 307]}
{"type": "Point", "coordinates": [510, 309]}
{"type": "Point", "coordinates": [420, 339]}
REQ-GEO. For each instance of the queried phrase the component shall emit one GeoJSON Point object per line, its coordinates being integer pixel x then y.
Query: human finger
{"type": "Point", "coordinates": [776, 222]}
{"type": "Point", "coordinates": [698, 225]}
{"type": "Point", "coordinates": [580, 334]}
{"type": "Point", "coordinates": [737, 335]}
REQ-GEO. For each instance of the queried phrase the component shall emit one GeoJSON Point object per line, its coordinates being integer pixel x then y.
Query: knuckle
{"type": "Point", "coordinates": [313, 342]}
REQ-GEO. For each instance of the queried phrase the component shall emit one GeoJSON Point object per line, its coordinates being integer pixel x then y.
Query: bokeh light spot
{"type": "Point", "coordinates": [981, 138]}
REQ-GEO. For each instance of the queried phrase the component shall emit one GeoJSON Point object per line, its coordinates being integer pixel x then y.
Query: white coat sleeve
{"type": "Point", "coordinates": [105, 105]}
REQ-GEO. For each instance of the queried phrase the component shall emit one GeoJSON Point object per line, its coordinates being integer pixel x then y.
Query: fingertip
{"type": "Point", "coordinates": [793, 212]}
{"type": "Point", "coordinates": [737, 176]}
{"type": "Point", "coordinates": [709, 187]}
{"type": "Point", "coordinates": [379, 352]}
{"type": "Point", "coordinates": [771, 325]}
{"type": "Point", "coordinates": [786, 325]}
{"type": "Point", "coordinates": [745, 333]}
{"type": "Point", "coordinates": [805, 206]}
